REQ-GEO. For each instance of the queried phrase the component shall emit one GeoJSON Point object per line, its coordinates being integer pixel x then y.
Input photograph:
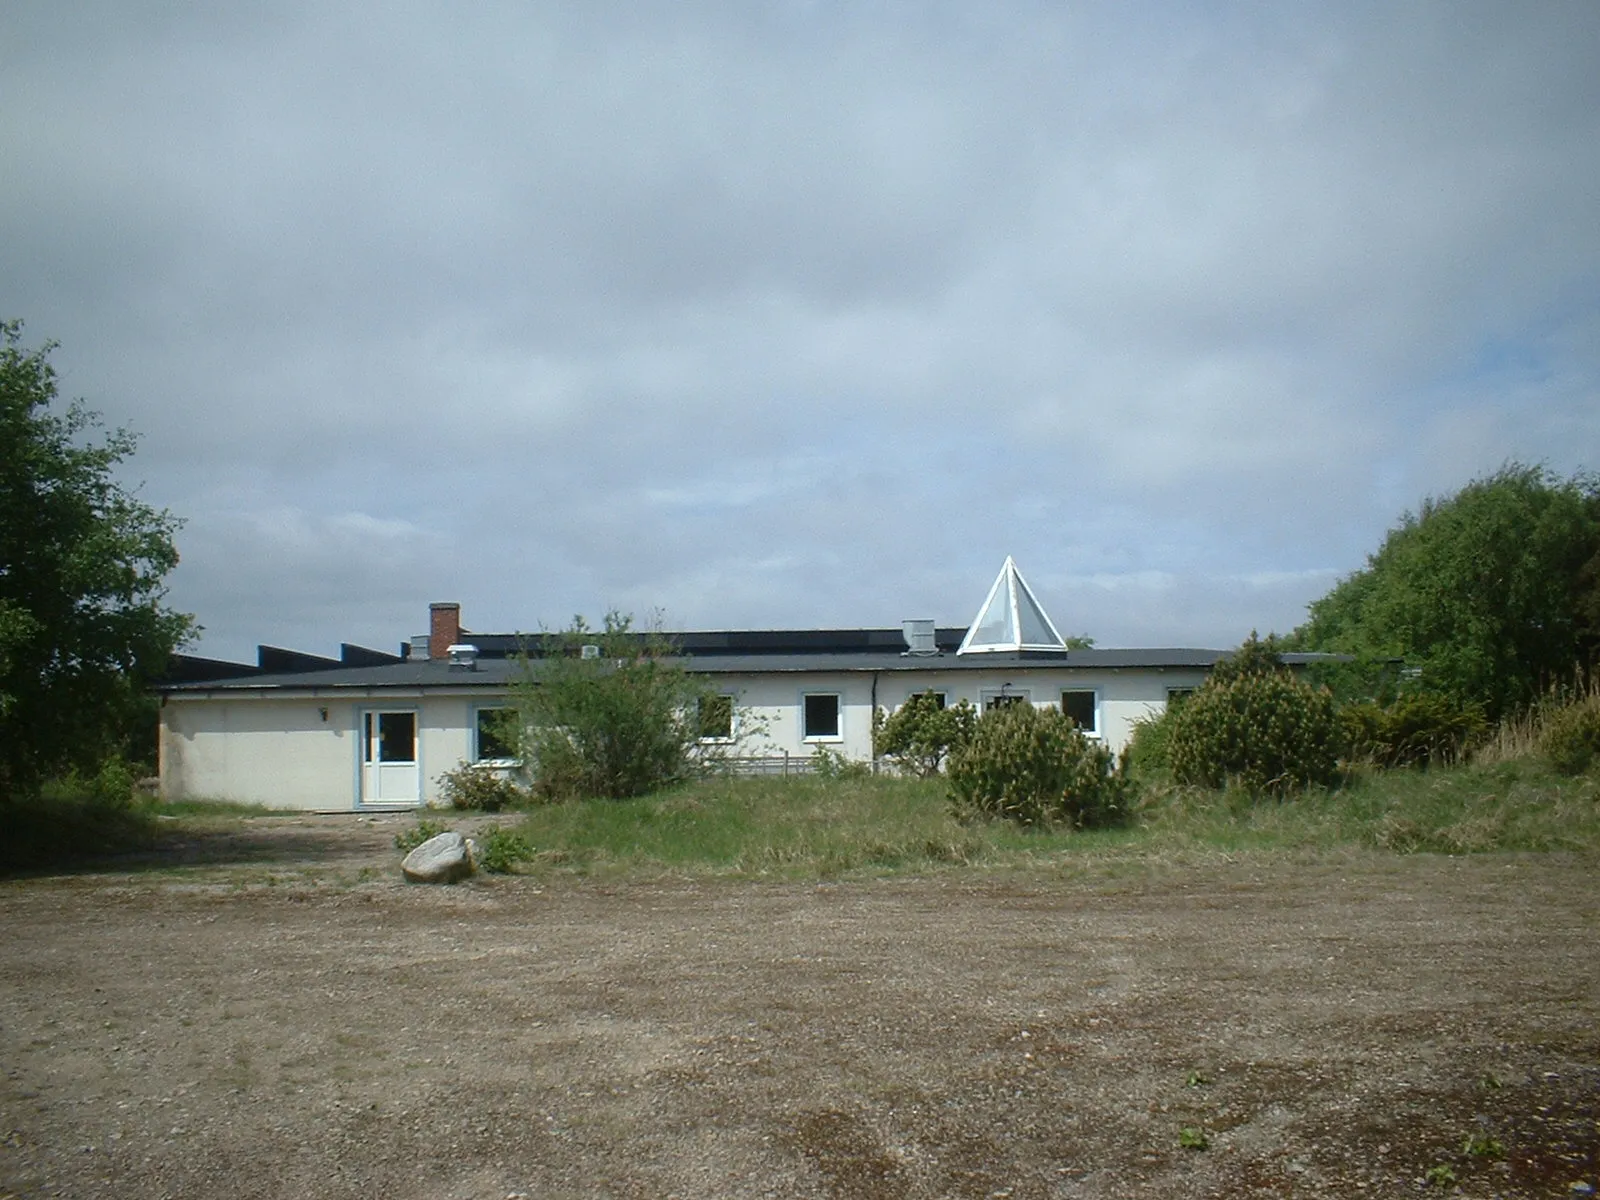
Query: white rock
{"type": "Point", "coordinates": [446, 858]}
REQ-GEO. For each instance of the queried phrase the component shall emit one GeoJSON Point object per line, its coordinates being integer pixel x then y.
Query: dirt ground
{"type": "Point", "coordinates": [279, 1015]}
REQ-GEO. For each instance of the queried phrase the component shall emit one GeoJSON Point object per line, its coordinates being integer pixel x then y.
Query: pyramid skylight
{"type": "Point", "coordinates": [1011, 619]}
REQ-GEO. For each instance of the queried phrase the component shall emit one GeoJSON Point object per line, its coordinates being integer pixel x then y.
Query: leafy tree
{"type": "Point", "coordinates": [922, 732]}
{"type": "Point", "coordinates": [83, 626]}
{"type": "Point", "coordinates": [1489, 595]}
{"type": "Point", "coordinates": [619, 723]}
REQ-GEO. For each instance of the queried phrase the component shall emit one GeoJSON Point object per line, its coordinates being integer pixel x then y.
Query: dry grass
{"type": "Point", "coordinates": [1519, 737]}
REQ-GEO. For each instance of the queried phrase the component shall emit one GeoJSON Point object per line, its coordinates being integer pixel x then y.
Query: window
{"type": "Point", "coordinates": [1177, 696]}
{"type": "Point", "coordinates": [940, 699]}
{"type": "Point", "coordinates": [715, 718]}
{"type": "Point", "coordinates": [391, 737]}
{"type": "Point", "coordinates": [819, 716]}
{"type": "Point", "coordinates": [1079, 704]}
{"type": "Point", "coordinates": [1004, 698]}
{"type": "Point", "coordinates": [495, 737]}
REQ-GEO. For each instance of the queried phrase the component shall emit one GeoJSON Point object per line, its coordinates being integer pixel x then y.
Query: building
{"type": "Point", "coordinates": [371, 730]}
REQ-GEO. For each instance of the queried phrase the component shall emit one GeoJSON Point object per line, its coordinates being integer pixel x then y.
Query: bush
{"type": "Point", "coordinates": [501, 849]}
{"type": "Point", "coordinates": [1149, 750]}
{"type": "Point", "coordinates": [1254, 725]}
{"type": "Point", "coordinates": [482, 788]}
{"type": "Point", "coordinates": [408, 840]}
{"type": "Point", "coordinates": [1570, 738]}
{"type": "Point", "coordinates": [1035, 767]}
{"type": "Point", "coordinates": [1416, 729]}
{"type": "Point", "coordinates": [921, 734]}
{"type": "Point", "coordinates": [830, 764]}
{"type": "Point", "coordinates": [617, 724]}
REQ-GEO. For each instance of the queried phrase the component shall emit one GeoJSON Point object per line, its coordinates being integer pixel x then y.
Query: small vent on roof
{"type": "Point", "coordinates": [920, 637]}
{"type": "Point", "coordinates": [463, 657]}
{"type": "Point", "coordinates": [590, 651]}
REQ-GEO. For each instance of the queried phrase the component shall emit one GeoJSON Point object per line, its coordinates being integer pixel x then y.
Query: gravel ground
{"type": "Point", "coordinates": [280, 1016]}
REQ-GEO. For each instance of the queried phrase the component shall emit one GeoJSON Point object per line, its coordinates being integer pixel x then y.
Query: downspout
{"type": "Point", "coordinates": [872, 724]}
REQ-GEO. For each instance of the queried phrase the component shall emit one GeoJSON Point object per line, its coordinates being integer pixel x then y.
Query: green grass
{"type": "Point", "coordinates": [819, 828]}
{"type": "Point", "coordinates": [1508, 806]}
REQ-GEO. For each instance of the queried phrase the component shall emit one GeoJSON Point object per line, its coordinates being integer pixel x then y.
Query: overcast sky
{"type": "Point", "coordinates": [800, 314]}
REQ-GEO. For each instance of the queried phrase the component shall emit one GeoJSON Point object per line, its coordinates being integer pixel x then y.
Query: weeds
{"type": "Point", "coordinates": [501, 849]}
{"type": "Point", "coordinates": [408, 840]}
{"type": "Point", "coordinates": [1192, 1137]}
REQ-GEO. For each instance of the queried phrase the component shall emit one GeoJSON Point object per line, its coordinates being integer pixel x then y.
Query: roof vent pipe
{"type": "Point", "coordinates": [463, 657]}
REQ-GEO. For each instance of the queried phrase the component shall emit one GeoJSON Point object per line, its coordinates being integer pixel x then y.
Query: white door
{"type": "Point", "coordinates": [389, 772]}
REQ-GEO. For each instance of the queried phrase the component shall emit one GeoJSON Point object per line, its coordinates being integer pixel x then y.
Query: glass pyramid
{"type": "Point", "coordinates": [1011, 619]}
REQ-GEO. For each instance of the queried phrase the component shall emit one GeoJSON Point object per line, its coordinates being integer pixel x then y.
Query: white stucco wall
{"type": "Point", "coordinates": [769, 706]}
{"type": "Point", "coordinates": [280, 750]}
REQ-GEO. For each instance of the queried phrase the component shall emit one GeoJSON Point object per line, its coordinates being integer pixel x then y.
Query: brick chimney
{"type": "Point", "coordinates": [444, 629]}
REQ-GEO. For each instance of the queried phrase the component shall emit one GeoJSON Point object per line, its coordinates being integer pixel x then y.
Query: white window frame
{"type": "Point", "coordinates": [733, 719]}
{"type": "Point", "coordinates": [838, 719]}
{"type": "Point", "coordinates": [477, 750]}
{"type": "Point", "coordinates": [1095, 693]}
{"type": "Point", "coordinates": [1011, 694]}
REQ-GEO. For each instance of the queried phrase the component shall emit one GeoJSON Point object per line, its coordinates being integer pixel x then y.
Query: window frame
{"type": "Point", "coordinates": [1011, 695]}
{"type": "Point", "coordinates": [1093, 693]}
{"type": "Point", "coordinates": [731, 736]}
{"type": "Point", "coordinates": [478, 755]}
{"type": "Point", "coordinates": [838, 718]}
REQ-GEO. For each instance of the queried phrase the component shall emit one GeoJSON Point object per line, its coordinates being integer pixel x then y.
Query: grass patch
{"type": "Point", "coordinates": [822, 828]}
{"type": "Point", "coordinates": [1519, 805]}
{"type": "Point", "coordinates": [65, 826]}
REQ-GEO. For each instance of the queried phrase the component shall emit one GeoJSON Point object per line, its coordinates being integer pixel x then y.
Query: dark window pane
{"type": "Point", "coordinates": [994, 702]}
{"type": "Point", "coordinates": [1080, 707]}
{"type": "Point", "coordinates": [821, 716]}
{"type": "Point", "coordinates": [397, 737]}
{"type": "Point", "coordinates": [494, 738]}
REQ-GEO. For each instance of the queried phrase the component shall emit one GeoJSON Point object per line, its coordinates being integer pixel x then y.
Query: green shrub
{"type": "Point", "coordinates": [1255, 726]}
{"type": "Point", "coordinates": [1416, 729]}
{"type": "Point", "coordinates": [1035, 767]}
{"type": "Point", "coordinates": [408, 840]}
{"type": "Point", "coordinates": [1570, 738]}
{"type": "Point", "coordinates": [1149, 750]}
{"type": "Point", "coordinates": [830, 764]}
{"type": "Point", "coordinates": [619, 723]}
{"type": "Point", "coordinates": [481, 788]}
{"type": "Point", "coordinates": [501, 849]}
{"type": "Point", "coordinates": [919, 736]}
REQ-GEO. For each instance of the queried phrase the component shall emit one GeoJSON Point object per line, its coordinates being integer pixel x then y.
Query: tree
{"type": "Point", "coordinates": [922, 732]}
{"type": "Point", "coordinates": [1490, 595]}
{"type": "Point", "coordinates": [618, 721]}
{"type": "Point", "coordinates": [83, 623]}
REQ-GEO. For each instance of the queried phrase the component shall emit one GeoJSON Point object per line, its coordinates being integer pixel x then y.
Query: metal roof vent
{"type": "Point", "coordinates": [919, 636]}
{"type": "Point", "coordinates": [462, 657]}
{"type": "Point", "coordinates": [590, 651]}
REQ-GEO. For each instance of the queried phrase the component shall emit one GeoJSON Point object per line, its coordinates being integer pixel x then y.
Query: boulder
{"type": "Point", "coordinates": [446, 858]}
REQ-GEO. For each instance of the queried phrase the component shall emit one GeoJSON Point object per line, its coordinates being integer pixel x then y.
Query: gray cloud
{"type": "Point", "coordinates": [801, 313]}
